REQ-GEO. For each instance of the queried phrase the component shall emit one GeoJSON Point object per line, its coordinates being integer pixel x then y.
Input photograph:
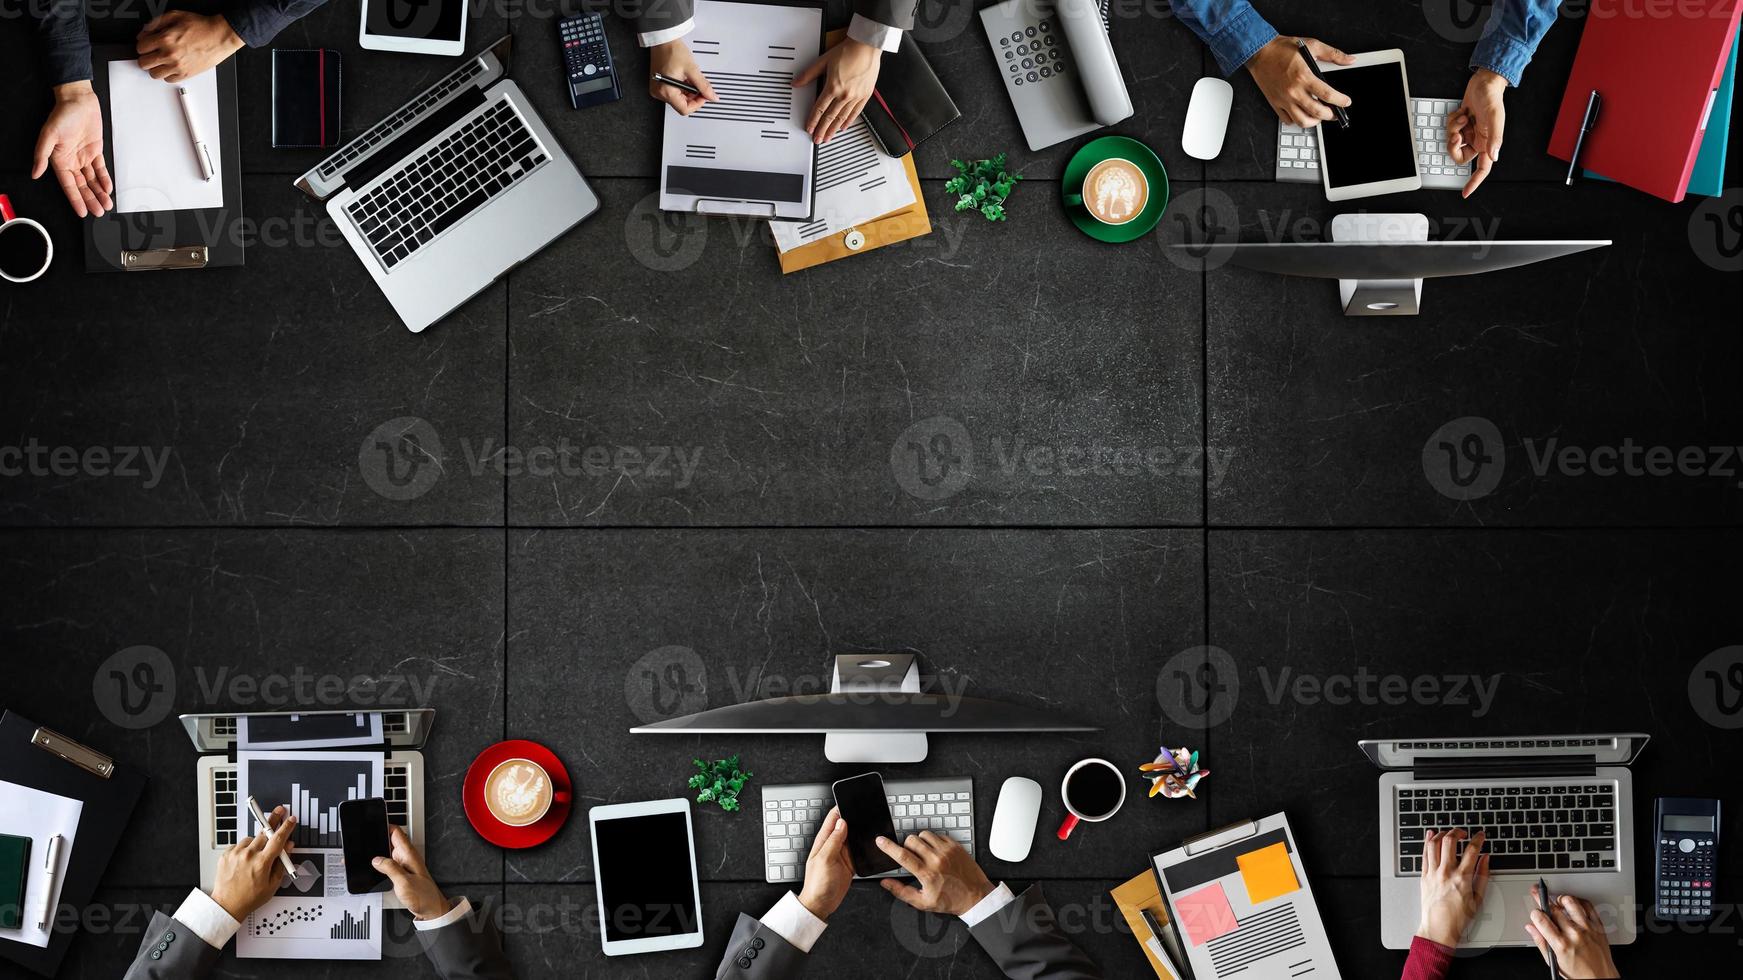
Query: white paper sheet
{"type": "Point", "coordinates": [856, 182]}
{"type": "Point", "coordinates": [314, 918]}
{"type": "Point", "coordinates": [750, 53]}
{"type": "Point", "coordinates": [26, 812]}
{"type": "Point", "coordinates": [155, 166]}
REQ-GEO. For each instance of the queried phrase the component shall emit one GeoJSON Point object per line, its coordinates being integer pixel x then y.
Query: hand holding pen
{"type": "Point", "coordinates": [251, 872]}
{"type": "Point", "coordinates": [1570, 935]}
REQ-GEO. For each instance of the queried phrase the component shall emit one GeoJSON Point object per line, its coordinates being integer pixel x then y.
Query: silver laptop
{"type": "Point", "coordinates": [451, 190]}
{"type": "Point", "coordinates": [1559, 807]}
{"type": "Point", "coordinates": [215, 738]}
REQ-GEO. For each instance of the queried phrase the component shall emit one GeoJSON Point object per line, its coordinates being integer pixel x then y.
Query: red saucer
{"type": "Point", "coordinates": [485, 822]}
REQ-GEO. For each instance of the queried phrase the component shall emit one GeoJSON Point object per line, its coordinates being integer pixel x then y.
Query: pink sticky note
{"type": "Point", "coordinates": [1205, 914]}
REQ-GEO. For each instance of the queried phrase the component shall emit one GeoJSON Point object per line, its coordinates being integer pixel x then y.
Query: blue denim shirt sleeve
{"type": "Point", "coordinates": [1511, 35]}
{"type": "Point", "coordinates": [258, 21]}
{"type": "Point", "coordinates": [1231, 28]}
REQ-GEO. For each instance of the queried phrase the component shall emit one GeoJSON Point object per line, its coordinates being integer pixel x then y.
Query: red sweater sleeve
{"type": "Point", "coordinates": [1428, 960]}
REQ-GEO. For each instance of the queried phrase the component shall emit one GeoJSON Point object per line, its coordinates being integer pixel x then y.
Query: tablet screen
{"type": "Point", "coordinates": [1378, 145]}
{"type": "Point", "coordinates": [421, 20]}
{"type": "Point", "coordinates": [646, 880]}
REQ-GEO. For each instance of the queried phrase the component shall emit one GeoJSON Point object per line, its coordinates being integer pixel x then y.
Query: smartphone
{"type": "Point", "coordinates": [867, 812]}
{"type": "Point", "coordinates": [363, 835]}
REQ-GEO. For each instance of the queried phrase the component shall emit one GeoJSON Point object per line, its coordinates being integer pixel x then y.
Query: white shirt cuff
{"type": "Point", "coordinates": [461, 909]}
{"type": "Point", "coordinates": [792, 921]}
{"type": "Point", "coordinates": [880, 36]}
{"type": "Point", "coordinates": [652, 38]}
{"type": "Point", "coordinates": [996, 899]}
{"type": "Point", "coordinates": [207, 919]}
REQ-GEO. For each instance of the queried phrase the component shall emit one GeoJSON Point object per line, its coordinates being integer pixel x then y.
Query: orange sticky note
{"type": "Point", "coordinates": [1267, 872]}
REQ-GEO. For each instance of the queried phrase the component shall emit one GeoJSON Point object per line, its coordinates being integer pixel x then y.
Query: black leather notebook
{"type": "Point", "coordinates": [305, 98]}
{"type": "Point", "coordinates": [910, 103]}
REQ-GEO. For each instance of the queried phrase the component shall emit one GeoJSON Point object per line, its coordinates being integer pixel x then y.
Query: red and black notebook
{"type": "Point", "coordinates": [305, 98]}
{"type": "Point", "coordinates": [910, 103]}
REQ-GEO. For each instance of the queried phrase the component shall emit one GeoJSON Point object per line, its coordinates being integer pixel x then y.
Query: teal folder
{"type": "Point", "coordinates": [1708, 177]}
{"type": "Point", "coordinates": [14, 873]}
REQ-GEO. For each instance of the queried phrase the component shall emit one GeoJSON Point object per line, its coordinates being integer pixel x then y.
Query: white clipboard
{"type": "Point", "coordinates": [1239, 915]}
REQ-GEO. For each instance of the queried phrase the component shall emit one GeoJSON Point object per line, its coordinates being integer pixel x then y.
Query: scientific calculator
{"type": "Point", "coordinates": [587, 61]}
{"type": "Point", "coordinates": [1687, 858]}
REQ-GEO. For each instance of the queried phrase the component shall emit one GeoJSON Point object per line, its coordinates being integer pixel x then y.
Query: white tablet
{"type": "Point", "coordinates": [644, 872]}
{"type": "Point", "coordinates": [414, 26]}
{"type": "Point", "coordinates": [1377, 153]}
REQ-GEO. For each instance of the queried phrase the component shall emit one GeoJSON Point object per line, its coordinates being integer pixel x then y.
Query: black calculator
{"type": "Point", "coordinates": [1686, 832]}
{"type": "Point", "coordinates": [587, 61]}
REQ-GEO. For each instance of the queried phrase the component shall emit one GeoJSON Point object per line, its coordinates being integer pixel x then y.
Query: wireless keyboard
{"type": "Point", "coordinates": [1298, 149]}
{"type": "Point", "coordinates": [793, 811]}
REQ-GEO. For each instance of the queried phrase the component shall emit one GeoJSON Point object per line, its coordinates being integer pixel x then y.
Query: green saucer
{"type": "Point", "coordinates": [1094, 152]}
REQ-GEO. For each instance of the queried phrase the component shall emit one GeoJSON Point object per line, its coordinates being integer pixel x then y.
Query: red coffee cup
{"type": "Point", "coordinates": [1101, 787]}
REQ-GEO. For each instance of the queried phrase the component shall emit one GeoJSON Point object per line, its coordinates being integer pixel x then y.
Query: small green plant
{"type": "Point", "coordinates": [983, 186]}
{"type": "Point", "coordinates": [719, 782]}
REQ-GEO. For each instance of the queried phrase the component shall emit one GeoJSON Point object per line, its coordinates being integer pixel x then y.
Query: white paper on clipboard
{"type": "Point", "coordinates": [1243, 904]}
{"type": "Point", "coordinates": [748, 153]}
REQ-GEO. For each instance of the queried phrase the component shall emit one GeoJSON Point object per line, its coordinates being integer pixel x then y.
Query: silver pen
{"type": "Point", "coordinates": [52, 872]}
{"type": "Point", "coordinates": [266, 828]}
{"type": "Point", "coordinates": [202, 151]}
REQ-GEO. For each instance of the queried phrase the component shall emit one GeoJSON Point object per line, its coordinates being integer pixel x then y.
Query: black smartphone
{"type": "Point", "coordinates": [867, 812]}
{"type": "Point", "coordinates": [363, 835]}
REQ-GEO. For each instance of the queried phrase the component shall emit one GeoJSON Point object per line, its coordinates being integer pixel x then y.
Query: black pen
{"type": "Point", "coordinates": [685, 86]}
{"type": "Point", "coordinates": [1592, 104]}
{"type": "Point", "coordinates": [1343, 117]}
{"type": "Point", "coordinates": [1543, 906]}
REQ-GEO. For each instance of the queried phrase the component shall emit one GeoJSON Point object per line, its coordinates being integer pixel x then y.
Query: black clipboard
{"type": "Point", "coordinates": [145, 241]}
{"type": "Point", "coordinates": [33, 756]}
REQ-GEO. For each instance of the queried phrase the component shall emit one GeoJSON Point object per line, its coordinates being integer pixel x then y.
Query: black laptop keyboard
{"type": "Point", "coordinates": [413, 205]}
{"type": "Point", "coordinates": [1558, 827]}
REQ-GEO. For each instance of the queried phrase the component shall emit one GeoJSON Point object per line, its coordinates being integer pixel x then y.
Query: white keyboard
{"type": "Point", "coordinates": [791, 813]}
{"type": "Point", "coordinates": [1298, 149]}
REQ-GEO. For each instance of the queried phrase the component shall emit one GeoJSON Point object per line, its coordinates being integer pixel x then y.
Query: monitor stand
{"type": "Point", "coordinates": [1380, 297]}
{"type": "Point", "coordinates": [875, 672]}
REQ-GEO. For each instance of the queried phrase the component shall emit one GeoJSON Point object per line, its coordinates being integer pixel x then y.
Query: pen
{"type": "Point", "coordinates": [685, 86]}
{"type": "Point", "coordinates": [266, 828]}
{"type": "Point", "coordinates": [1155, 941]}
{"type": "Point", "coordinates": [53, 877]}
{"type": "Point", "coordinates": [1593, 102]}
{"type": "Point", "coordinates": [1338, 110]}
{"type": "Point", "coordinates": [1543, 906]}
{"type": "Point", "coordinates": [201, 150]}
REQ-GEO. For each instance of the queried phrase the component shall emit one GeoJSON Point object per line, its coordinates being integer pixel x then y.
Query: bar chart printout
{"type": "Point", "coordinates": [310, 785]}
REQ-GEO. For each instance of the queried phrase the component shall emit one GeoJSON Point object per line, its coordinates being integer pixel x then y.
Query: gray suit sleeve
{"type": "Point", "coordinates": [756, 952]}
{"type": "Point", "coordinates": [660, 15]}
{"type": "Point", "coordinates": [899, 14]}
{"type": "Point", "coordinates": [468, 949]}
{"type": "Point", "coordinates": [171, 951]}
{"type": "Point", "coordinates": [1023, 938]}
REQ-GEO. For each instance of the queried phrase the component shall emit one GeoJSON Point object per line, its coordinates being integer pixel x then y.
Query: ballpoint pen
{"type": "Point", "coordinates": [1337, 110]}
{"type": "Point", "coordinates": [266, 828]}
{"type": "Point", "coordinates": [202, 151]}
{"type": "Point", "coordinates": [1543, 906]}
{"type": "Point", "coordinates": [52, 876]}
{"type": "Point", "coordinates": [1593, 103]}
{"type": "Point", "coordinates": [685, 86]}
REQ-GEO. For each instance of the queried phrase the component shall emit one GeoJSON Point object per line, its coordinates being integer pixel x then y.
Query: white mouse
{"type": "Point", "coordinates": [1207, 118]}
{"type": "Point", "coordinates": [1014, 819]}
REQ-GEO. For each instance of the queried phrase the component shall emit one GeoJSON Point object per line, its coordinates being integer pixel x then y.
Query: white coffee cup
{"type": "Point", "coordinates": [12, 224]}
{"type": "Point", "coordinates": [534, 779]}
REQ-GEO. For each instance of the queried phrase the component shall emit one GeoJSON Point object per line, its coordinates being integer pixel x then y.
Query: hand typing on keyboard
{"type": "Point", "coordinates": [828, 870]}
{"type": "Point", "coordinates": [1453, 885]}
{"type": "Point", "coordinates": [1473, 130]}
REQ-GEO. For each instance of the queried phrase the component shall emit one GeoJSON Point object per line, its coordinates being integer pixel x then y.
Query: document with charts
{"type": "Point", "coordinates": [748, 152]}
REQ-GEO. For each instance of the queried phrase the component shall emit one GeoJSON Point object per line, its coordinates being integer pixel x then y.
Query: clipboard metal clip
{"type": "Point", "coordinates": [154, 259]}
{"type": "Point", "coordinates": [90, 760]}
{"type": "Point", "coordinates": [1221, 837]}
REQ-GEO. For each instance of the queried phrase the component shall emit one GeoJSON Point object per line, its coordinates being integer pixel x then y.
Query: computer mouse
{"type": "Point", "coordinates": [1207, 118]}
{"type": "Point", "coordinates": [1014, 819]}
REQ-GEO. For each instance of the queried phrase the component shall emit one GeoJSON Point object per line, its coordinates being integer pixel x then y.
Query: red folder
{"type": "Point", "coordinates": [1657, 69]}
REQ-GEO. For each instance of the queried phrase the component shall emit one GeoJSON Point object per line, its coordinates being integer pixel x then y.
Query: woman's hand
{"type": "Point", "coordinates": [1571, 929]}
{"type": "Point", "coordinates": [1452, 885]}
{"type": "Point", "coordinates": [852, 75]}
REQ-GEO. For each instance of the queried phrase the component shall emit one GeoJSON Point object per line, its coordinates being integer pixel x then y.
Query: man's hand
{"type": "Point", "coordinates": [1473, 130]}
{"type": "Point", "coordinates": [250, 871]}
{"type": "Point", "coordinates": [674, 60]}
{"type": "Point", "coordinates": [411, 879]}
{"type": "Point", "coordinates": [1571, 929]}
{"type": "Point", "coordinates": [950, 881]}
{"type": "Point", "coordinates": [1452, 885]}
{"type": "Point", "coordinates": [72, 144]}
{"type": "Point", "coordinates": [180, 45]}
{"type": "Point", "coordinates": [1289, 86]}
{"type": "Point", "coordinates": [828, 871]}
{"type": "Point", "coordinates": [852, 74]}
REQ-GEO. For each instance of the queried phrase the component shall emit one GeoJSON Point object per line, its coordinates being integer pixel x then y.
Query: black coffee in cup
{"type": "Point", "coordinates": [1093, 790]}
{"type": "Point", "coordinates": [23, 250]}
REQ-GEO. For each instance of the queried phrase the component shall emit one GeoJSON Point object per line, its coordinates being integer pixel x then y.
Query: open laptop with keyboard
{"type": "Point", "coordinates": [1559, 807]}
{"type": "Point", "coordinates": [215, 737]}
{"type": "Point", "coordinates": [793, 811]}
{"type": "Point", "coordinates": [1298, 149]}
{"type": "Point", "coordinates": [451, 190]}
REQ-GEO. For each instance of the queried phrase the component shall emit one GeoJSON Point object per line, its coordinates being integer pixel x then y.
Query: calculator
{"type": "Point", "coordinates": [1687, 858]}
{"type": "Point", "coordinates": [587, 61]}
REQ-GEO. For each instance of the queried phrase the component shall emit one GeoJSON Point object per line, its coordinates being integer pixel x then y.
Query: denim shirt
{"type": "Point", "coordinates": [66, 42]}
{"type": "Point", "coordinates": [1234, 31]}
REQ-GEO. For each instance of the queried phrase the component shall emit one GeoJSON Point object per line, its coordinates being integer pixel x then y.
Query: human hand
{"type": "Point", "coordinates": [950, 881]}
{"type": "Point", "coordinates": [1473, 130]}
{"type": "Point", "coordinates": [411, 879]}
{"type": "Point", "coordinates": [1572, 930]}
{"type": "Point", "coordinates": [852, 74]}
{"type": "Point", "coordinates": [250, 871]}
{"type": "Point", "coordinates": [1290, 86]}
{"type": "Point", "coordinates": [179, 45]}
{"type": "Point", "coordinates": [72, 143]}
{"type": "Point", "coordinates": [1452, 885]}
{"type": "Point", "coordinates": [674, 60]}
{"type": "Point", "coordinates": [829, 870]}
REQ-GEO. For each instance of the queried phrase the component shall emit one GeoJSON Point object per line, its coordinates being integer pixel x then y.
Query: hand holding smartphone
{"type": "Point", "coordinates": [364, 837]}
{"type": "Point", "coordinates": [866, 809]}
